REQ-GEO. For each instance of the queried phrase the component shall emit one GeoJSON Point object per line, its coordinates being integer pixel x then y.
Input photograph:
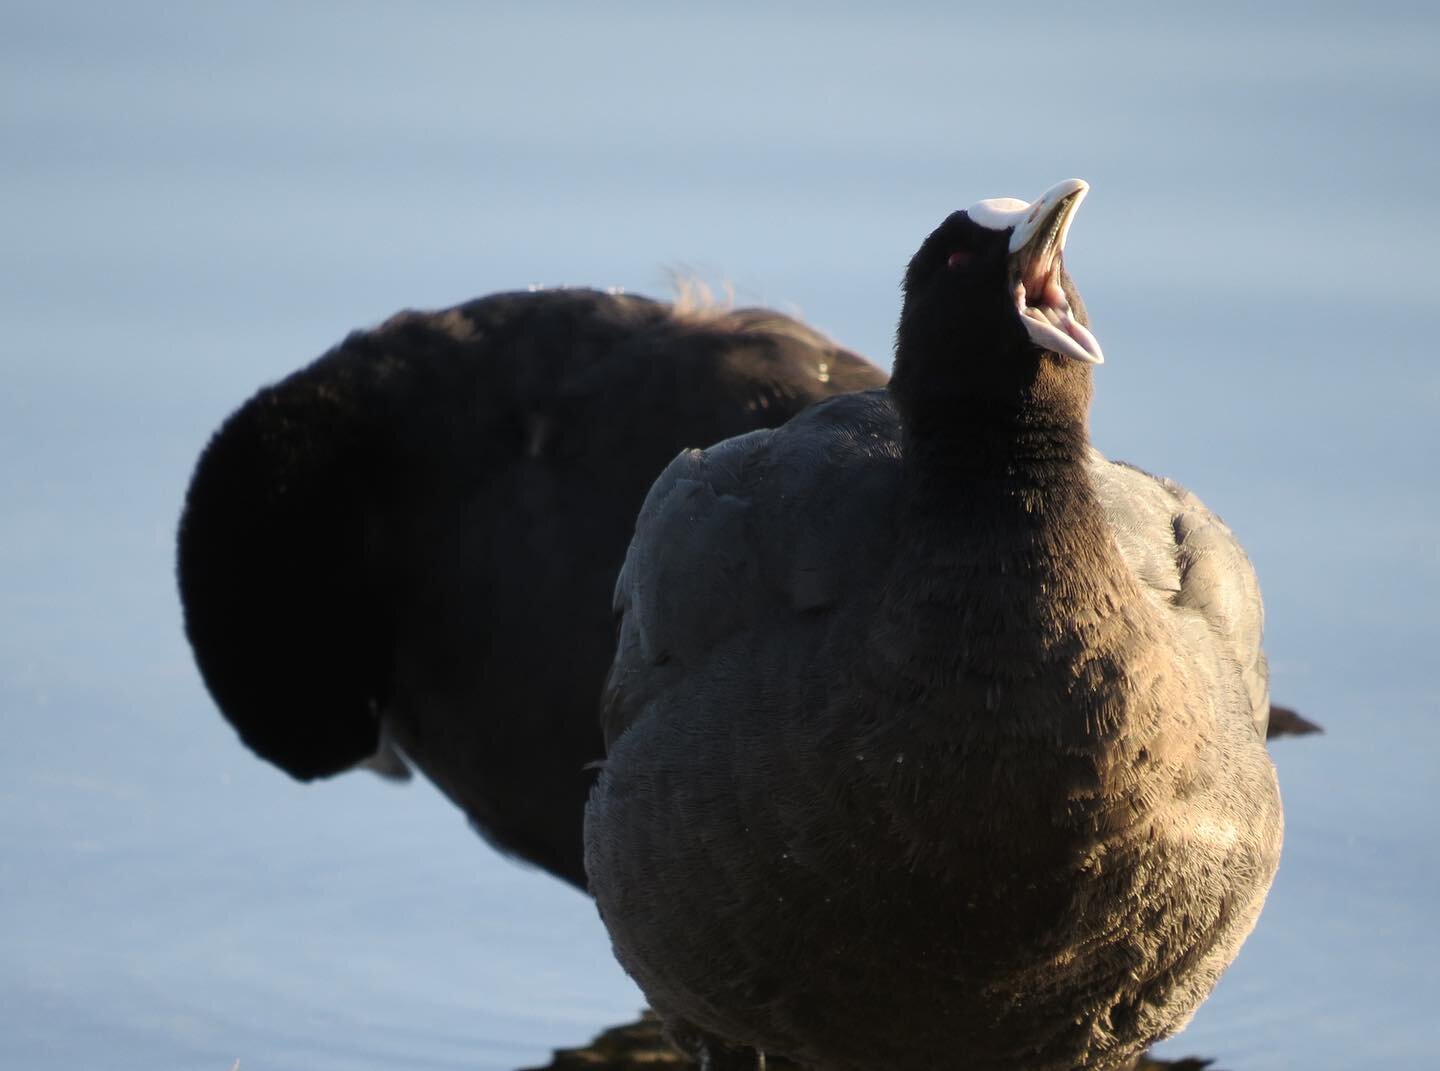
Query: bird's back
{"type": "Point", "coordinates": [420, 532]}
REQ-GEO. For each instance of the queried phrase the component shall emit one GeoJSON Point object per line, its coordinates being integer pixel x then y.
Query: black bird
{"type": "Point", "coordinates": [416, 538]}
{"type": "Point", "coordinates": [935, 738]}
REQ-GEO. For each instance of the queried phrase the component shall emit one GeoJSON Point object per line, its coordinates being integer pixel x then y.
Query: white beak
{"type": "Point", "coordinates": [1037, 238]}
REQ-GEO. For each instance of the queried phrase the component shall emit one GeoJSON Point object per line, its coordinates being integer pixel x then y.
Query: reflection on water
{"type": "Point", "coordinates": [639, 1045]}
{"type": "Point", "coordinates": [200, 198]}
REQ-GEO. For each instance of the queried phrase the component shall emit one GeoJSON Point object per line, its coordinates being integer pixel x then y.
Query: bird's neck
{"type": "Point", "coordinates": [1006, 569]}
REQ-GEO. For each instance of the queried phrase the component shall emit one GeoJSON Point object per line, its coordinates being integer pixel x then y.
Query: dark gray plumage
{"type": "Point", "coordinates": [414, 541]}
{"type": "Point", "coordinates": [935, 739]}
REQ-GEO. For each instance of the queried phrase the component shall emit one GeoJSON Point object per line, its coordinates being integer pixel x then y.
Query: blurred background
{"type": "Point", "coordinates": [197, 199]}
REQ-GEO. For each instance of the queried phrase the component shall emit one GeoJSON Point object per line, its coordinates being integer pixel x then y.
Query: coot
{"type": "Point", "coordinates": [935, 738]}
{"type": "Point", "coordinates": [415, 540]}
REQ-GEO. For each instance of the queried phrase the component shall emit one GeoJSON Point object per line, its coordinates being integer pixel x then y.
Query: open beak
{"type": "Point", "coordinates": [1036, 244]}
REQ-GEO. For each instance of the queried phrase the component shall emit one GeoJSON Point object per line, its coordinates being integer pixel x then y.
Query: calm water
{"type": "Point", "coordinates": [194, 203]}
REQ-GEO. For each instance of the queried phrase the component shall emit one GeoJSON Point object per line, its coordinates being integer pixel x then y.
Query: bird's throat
{"type": "Point", "coordinates": [1005, 562]}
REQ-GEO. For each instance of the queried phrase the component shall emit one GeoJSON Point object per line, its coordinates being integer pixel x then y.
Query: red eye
{"type": "Point", "coordinates": [958, 259]}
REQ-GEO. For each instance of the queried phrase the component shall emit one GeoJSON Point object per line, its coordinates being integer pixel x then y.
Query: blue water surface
{"type": "Point", "coordinates": [196, 199]}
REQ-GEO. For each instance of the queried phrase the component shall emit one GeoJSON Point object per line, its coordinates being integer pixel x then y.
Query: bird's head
{"type": "Point", "coordinates": [988, 303]}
